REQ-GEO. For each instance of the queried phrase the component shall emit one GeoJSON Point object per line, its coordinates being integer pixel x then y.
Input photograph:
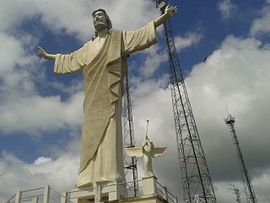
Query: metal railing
{"type": "Point", "coordinates": [32, 195]}
{"type": "Point", "coordinates": [112, 191]}
{"type": "Point", "coordinates": [125, 190]}
{"type": "Point", "coordinates": [165, 194]}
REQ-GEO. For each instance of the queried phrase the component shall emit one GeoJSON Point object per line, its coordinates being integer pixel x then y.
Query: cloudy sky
{"type": "Point", "coordinates": [224, 50]}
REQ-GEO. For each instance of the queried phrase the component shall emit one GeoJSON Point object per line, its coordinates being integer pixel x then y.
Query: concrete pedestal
{"type": "Point", "coordinates": [105, 193]}
{"type": "Point", "coordinates": [149, 185]}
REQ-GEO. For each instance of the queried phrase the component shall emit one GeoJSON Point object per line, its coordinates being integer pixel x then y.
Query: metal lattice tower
{"type": "Point", "coordinates": [129, 141]}
{"type": "Point", "coordinates": [249, 191]}
{"type": "Point", "coordinates": [195, 174]}
{"type": "Point", "coordinates": [236, 192]}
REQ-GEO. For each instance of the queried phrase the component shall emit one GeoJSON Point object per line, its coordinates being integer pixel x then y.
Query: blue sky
{"type": "Point", "coordinates": [41, 113]}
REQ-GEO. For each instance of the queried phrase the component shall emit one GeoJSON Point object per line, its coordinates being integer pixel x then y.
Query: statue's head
{"type": "Point", "coordinates": [101, 20]}
{"type": "Point", "coordinates": [148, 146]}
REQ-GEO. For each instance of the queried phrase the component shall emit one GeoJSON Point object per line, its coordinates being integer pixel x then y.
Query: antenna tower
{"type": "Point", "coordinates": [129, 140]}
{"type": "Point", "coordinates": [236, 192]}
{"type": "Point", "coordinates": [195, 174]}
{"type": "Point", "coordinates": [250, 194]}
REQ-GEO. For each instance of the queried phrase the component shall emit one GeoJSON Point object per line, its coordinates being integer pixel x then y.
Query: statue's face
{"type": "Point", "coordinates": [100, 22]}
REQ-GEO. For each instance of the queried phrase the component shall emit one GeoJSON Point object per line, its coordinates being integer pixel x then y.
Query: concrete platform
{"type": "Point", "coordinates": [148, 191]}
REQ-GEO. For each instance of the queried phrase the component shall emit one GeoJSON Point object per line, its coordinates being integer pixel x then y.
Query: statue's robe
{"type": "Point", "coordinates": [103, 63]}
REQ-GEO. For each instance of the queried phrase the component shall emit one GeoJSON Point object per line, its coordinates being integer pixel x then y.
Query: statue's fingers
{"type": "Point", "coordinates": [41, 49]}
{"type": "Point", "coordinates": [169, 7]}
{"type": "Point", "coordinates": [40, 53]}
{"type": "Point", "coordinates": [174, 8]}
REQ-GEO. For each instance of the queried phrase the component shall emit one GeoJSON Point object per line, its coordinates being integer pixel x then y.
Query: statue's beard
{"type": "Point", "coordinates": [99, 25]}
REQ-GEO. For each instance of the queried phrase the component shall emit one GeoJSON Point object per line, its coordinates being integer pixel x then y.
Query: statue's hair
{"type": "Point", "coordinates": [108, 20]}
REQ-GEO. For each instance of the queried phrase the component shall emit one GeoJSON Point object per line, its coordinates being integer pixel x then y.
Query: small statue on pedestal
{"type": "Point", "coordinates": [147, 151]}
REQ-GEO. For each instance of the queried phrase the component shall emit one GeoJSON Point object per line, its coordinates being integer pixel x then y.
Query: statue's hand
{"type": "Point", "coordinates": [42, 53]}
{"type": "Point", "coordinates": [171, 10]}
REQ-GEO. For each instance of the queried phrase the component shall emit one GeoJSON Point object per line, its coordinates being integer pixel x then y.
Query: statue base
{"type": "Point", "coordinates": [101, 193]}
{"type": "Point", "coordinates": [147, 190]}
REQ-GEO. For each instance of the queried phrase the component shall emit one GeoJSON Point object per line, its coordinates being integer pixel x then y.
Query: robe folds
{"type": "Point", "coordinates": [103, 63]}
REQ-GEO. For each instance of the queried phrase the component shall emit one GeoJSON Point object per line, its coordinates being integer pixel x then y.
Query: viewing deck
{"type": "Point", "coordinates": [149, 190]}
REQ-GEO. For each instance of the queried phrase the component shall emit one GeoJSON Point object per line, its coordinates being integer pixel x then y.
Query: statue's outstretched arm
{"type": "Point", "coordinates": [169, 12]}
{"type": "Point", "coordinates": [43, 54]}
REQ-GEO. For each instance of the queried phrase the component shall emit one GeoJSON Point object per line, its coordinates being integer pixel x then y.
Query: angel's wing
{"type": "Point", "coordinates": [159, 151]}
{"type": "Point", "coordinates": [134, 151]}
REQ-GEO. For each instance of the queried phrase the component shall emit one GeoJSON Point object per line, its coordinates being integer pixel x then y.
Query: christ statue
{"type": "Point", "coordinates": [103, 64]}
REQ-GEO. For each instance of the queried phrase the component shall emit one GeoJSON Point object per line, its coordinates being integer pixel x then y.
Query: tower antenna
{"type": "Point", "coordinates": [195, 174]}
{"type": "Point", "coordinates": [129, 141]}
{"type": "Point", "coordinates": [236, 192]}
{"type": "Point", "coordinates": [249, 191]}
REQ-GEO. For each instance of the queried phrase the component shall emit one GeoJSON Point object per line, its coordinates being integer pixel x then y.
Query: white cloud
{"type": "Point", "coordinates": [127, 17]}
{"type": "Point", "coordinates": [22, 108]}
{"type": "Point", "coordinates": [188, 40]}
{"type": "Point", "coordinates": [261, 25]}
{"type": "Point", "coordinates": [227, 9]}
{"type": "Point", "coordinates": [42, 160]}
{"type": "Point", "coordinates": [20, 10]}
{"type": "Point", "coordinates": [75, 17]}
{"type": "Point", "coordinates": [235, 75]}
{"type": "Point", "coordinates": [59, 173]}
{"type": "Point", "coordinates": [35, 114]}
{"type": "Point", "coordinates": [232, 73]}
{"type": "Point", "coordinates": [154, 57]}
{"type": "Point", "coordinates": [157, 54]}
{"type": "Point", "coordinates": [261, 185]}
